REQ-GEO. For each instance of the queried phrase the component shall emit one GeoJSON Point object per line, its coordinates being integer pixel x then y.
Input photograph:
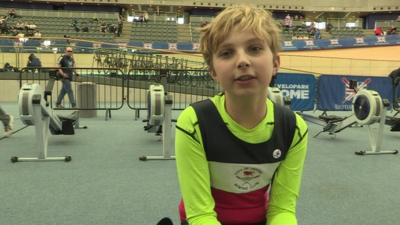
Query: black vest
{"type": "Point", "coordinates": [221, 145]}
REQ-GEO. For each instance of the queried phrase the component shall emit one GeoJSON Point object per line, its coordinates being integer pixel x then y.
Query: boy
{"type": "Point", "coordinates": [239, 156]}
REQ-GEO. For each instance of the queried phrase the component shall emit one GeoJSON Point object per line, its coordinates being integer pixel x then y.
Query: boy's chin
{"type": "Point", "coordinates": [247, 93]}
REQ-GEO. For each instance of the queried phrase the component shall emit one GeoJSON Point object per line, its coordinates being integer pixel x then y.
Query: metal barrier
{"type": "Point", "coordinates": [185, 86]}
{"type": "Point", "coordinates": [109, 84]}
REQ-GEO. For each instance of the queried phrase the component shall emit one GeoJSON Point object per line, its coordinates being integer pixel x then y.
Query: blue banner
{"type": "Point", "coordinates": [335, 93]}
{"type": "Point", "coordinates": [300, 88]}
{"type": "Point", "coordinates": [348, 42]}
{"type": "Point", "coordinates": [288, 45]}
{"type": "Point", "coordinates": [185, 46]}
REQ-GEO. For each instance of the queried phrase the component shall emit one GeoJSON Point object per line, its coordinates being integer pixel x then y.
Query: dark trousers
{"type": "Point", "coordinates": [66, 89]}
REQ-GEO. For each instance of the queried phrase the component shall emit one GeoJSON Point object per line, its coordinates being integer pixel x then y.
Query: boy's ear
{"type": "Point", "coordinates": [276, 64]}
{"type": "Point", "coordinates": [212, 73]}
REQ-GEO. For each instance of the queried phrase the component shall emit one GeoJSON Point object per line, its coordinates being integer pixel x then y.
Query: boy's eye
{"type": "Point", "coordinates": [225, 53]}
{"type": "Point", "coordinates": [255, 49]}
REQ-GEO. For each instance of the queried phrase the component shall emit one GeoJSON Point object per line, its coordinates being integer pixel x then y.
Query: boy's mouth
{"type": "Point", "coordinates": [245, 78]}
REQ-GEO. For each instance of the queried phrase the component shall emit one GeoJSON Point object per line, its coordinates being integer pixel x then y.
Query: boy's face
{"type": "Point", "coordinates": [243, 64]}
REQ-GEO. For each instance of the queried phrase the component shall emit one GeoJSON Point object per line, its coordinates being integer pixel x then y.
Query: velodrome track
{"type": "Point", "coordinates": [363, 61]}
{"type": "Point", "coordinates": [389, 53]}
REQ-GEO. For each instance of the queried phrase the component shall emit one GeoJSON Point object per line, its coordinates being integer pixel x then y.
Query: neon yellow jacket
{"type": "Point", "coordinates": [194, 169]}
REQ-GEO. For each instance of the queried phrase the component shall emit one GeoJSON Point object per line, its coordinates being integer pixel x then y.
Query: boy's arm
{"type": "Point", "coordinates": [193, 172]}
{"type": "Point", "coordinates": [286, 184]}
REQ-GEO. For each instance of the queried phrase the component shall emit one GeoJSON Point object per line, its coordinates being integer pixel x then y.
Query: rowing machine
{"type": "Point", "coordinates": [331, 124]}
{"type": "Point", "coordinates": [34, 110]}
{"type": "Point", "coordinates": [276, 96]}
{"type": "Point", "coordinates": [369, 108]}
{"type": "Point", "coordinates": [159, 120]}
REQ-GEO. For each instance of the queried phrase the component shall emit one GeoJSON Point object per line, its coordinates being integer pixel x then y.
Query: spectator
{"type": "Point", "coordinates": [37, 34]}
{"type": "Point", "coordinates": [146, 17]}
{"type": "Point", "coordinates": [103, 27]}
{"type": "Point", "coordinates": [287, 24]}
{"type": "Point", "coordinates": [33, 62]}
{"type": "Point", "coordinates": [12, 13]}
{"type": "Point", "coordinates": [67, 37]}
{"type": "Point", "coordinates": [120, 25]}
{"type": "Point", "coordinates": [8, 67]}
{"type": "Point", "coordinates": [329, 27]}
{"type": "Point", "coordinates": [392, 30]}
{"type": "Point", "coordinates": [317, 34]}
{"type": "Point", "coordinates": [4, 29]}
{"type": "Point", "coordinates": [378, 31]}
{"type": "Point", "coordinates": [75, 25]}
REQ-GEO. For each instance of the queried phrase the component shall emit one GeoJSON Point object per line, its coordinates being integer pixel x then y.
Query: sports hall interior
{"type": "Point", "coordinates": [105, 183]}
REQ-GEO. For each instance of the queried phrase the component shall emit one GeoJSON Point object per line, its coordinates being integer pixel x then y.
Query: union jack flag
{"type": "Point", "coordinates": [381, 39]}
{"type": "Point", "coordinates": [349, 92]}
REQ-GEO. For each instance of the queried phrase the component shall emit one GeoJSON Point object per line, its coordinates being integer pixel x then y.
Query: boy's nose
{"type": "Point", "coordinates": [243, 65]}
{"type": "Point", "coordinates": [243, 60]}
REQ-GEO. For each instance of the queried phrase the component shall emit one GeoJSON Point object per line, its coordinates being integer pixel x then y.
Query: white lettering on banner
{"type": "Point", "coordinates": [298, 91]}
{"type": "Point", "coordinates": [293, 86]}
{"type": "Point", "coordinates": [342, 107]}
{"type": "Point", "coordinates": [298, 94]}
{"type": "Point", "coordinates": [334, 41]}
{"type": "Point", "coordinates": [359, 40]}
{"type": "Point", "coordinates": [310, 43]}
{"type": "Point", "coordinates": [288, 44]}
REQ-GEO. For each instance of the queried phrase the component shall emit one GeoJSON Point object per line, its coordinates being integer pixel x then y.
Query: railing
{"type": "Point", "coordinates": [185, 86]}
{"type": "Point", "coordinates": [109, 86]}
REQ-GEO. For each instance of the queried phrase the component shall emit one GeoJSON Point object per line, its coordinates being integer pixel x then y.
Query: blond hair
{"type": "Point", "coordinates": [245, 18]}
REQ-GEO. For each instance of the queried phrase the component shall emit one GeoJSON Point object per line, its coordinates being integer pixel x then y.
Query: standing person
{"type": "Point", "coordinates": [66, 71]}
{"type": "Point", "coordinates": [239, 156]}
{"type": "Point", "coordinates": [7, 121]}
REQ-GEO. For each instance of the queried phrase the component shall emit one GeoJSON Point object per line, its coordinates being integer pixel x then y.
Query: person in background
{"type": "Point", "coordinates": [33, 62]}
{"type": "Point", "coordinates": [66, 71]}
{"type": "Point", "coordinates": [7, 121]}
{"type": "Point", "coordinates": [378, 31]}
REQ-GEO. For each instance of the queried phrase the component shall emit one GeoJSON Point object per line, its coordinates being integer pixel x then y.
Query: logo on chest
{"type": "Point", "coordinates": [247, 178]}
